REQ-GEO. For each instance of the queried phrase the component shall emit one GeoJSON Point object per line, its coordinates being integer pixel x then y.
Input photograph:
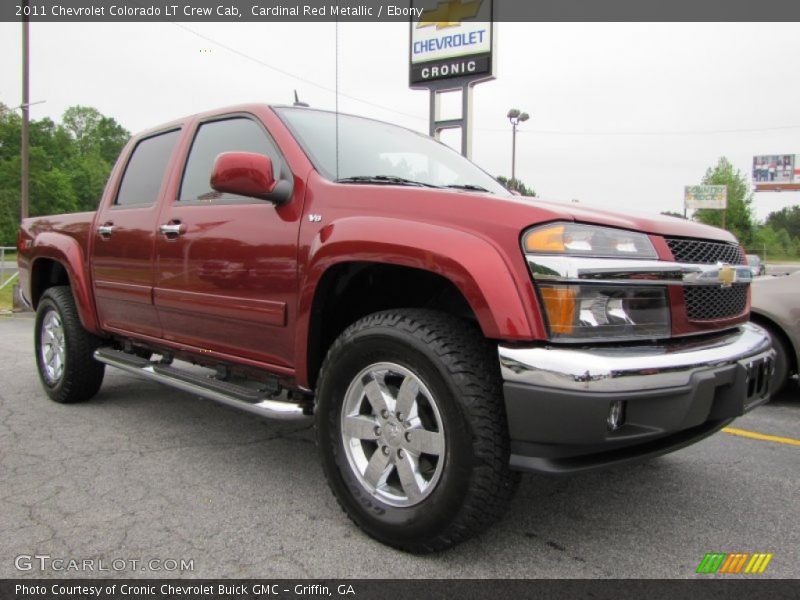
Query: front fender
{"type": "Point", "coordinates": [68, 253]}
{"type": "Point", "coordinates": [479, 269]}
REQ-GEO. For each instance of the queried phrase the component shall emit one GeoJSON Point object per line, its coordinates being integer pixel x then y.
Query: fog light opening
{"type": "Point", "coordinates": [616, 415]}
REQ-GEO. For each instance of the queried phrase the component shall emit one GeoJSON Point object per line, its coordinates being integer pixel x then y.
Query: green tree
{"type": "Point", "coordinates": [788, 218]}
{"type": "Point", "coordinates": [69, 163]}
{"type": "Point", "coordinates": [739, 213]}
{"type": "Point", "coordinates": [94, 133]}
{"type": "Point", "coordinates": [670, 213]}
{"type": "Point", "coordinates": [516, 185]}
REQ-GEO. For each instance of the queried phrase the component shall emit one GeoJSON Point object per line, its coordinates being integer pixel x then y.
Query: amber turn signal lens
{"type": "Point", "coordinates": [559, 304]}
{"type": "Point", "coordinates": [545, 239]}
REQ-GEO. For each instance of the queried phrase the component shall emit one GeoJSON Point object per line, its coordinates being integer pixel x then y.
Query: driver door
{"type": "Point", "coordinates": [226, 265]}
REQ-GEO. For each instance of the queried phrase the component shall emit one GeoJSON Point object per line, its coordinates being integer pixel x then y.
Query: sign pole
{"type": "Point", "coordinates": [452, 49]}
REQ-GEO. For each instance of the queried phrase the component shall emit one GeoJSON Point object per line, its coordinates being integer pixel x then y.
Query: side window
{"type": "Point", "coordinates": [145, 170]}
{"type": "Point", "coordinates": [214, 138]}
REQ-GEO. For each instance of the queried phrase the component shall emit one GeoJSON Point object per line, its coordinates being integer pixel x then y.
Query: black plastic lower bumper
{"type": "Point", "coordinates": [556, 430]}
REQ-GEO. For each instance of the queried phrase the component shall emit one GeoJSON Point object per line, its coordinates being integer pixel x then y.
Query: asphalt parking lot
{"type": "Point", "coordinates": [143, 472]}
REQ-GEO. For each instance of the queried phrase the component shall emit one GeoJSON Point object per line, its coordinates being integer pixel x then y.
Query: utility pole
{"type": "Point", "coordinates": [23, 197]}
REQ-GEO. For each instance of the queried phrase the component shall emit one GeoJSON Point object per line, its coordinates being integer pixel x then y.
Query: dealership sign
{"type": "Point", "coordinates": [452, 39]}
{"type": "Point", "coordinates": [706, 196]}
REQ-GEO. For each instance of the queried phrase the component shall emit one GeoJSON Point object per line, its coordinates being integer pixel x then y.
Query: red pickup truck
{"type": "Point", "coordinates": [444, 333]}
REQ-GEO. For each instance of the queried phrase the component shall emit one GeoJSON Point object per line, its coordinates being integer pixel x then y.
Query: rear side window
{"type": "Point", "coordinates": [145, 170]}
{"type": "Point", "coordinates": [214, 138]}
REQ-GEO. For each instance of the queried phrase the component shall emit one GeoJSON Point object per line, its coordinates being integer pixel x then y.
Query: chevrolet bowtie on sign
{"type": "Point", "coordinates": [451, 40]}
{"type": "Point", "coordinates": [449, 14]}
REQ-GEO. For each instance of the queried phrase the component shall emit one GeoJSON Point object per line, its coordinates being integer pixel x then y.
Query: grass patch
{"type": "Point", "coordinates": [5, 297]}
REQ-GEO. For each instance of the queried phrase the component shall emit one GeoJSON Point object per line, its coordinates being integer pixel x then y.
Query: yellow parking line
{"type": "Point", "coordinates": [754, 435]}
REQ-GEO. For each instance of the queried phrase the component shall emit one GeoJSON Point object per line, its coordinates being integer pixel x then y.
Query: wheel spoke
{"type": "Point", "coordinates": [389, 418]}
{"type": "Point", "coordinates": [410, 480]}
{"type": "Point", "coordinates": [407, 397]}
{"type": "Point", "coordinates": [378, 468]}
{"type": "Point", "coordinates": [361, 427]}
{"type": "Point", "coordinates": [377, 394]}
{"type": "Point", "coordinates": [53, 347]}
{"type": "Point", "coordinates": [424, 441]}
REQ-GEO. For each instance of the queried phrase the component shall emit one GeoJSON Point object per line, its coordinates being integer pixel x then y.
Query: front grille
{"type": "Point", "coordinates": [705, 252]}
{"type": "Point", "coordinates": [706, 302]}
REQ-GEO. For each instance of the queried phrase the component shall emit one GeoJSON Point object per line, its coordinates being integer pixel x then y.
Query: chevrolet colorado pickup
{"type": "Point", "coordinates": [444, 333]}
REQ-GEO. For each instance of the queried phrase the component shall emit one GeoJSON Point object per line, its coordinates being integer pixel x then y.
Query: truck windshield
{"type": "Point", "coordinates": [375, 152]}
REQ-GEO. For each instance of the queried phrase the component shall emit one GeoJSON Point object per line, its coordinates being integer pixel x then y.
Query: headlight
{"type": "Point", "coordinates": [591, 312]}
{"type": "Point", "coordinates": [576, 311]}
{"type": "Point", "coordinates": [587, 240]}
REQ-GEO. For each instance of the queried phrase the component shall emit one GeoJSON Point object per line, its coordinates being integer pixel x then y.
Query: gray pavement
{"type": "Point", "coordinates": [782, 268]}
{"type": "Point", "coordinates": [144, 472]}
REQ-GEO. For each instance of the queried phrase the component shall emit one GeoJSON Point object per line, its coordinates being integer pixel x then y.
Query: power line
{"type": "Point", "coordinates": [292, 75]}
{"type": "Point", "coordinates": [504, 130]}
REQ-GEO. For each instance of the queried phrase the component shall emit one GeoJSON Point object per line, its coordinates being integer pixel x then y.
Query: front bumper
{"type": "Point", "coordinates": [558, 398]}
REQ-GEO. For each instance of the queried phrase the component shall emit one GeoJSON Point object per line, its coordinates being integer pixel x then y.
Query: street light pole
{"type": "Point", "coordinates": [515, 117]}
{"type": "Point", "coordinates": [513, 151]}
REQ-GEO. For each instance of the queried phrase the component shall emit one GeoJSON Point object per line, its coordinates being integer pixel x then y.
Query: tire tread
{"type": "Point", "coordinates": [83, 375]}
{"type": "Point", "coordinates": [471, 362]}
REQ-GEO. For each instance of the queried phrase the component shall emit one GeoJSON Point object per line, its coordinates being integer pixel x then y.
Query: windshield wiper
{"type": "Point", "coordinates": [467, 186]}
{"type": "Point", "coordinates": [384, 179]}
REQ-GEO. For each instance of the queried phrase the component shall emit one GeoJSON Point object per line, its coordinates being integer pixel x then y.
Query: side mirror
{"type": "Point", "coordinates": [244, 174]}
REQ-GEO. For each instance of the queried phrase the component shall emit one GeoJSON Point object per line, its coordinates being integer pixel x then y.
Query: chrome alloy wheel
{"type": "Point", "coordinates": [393, 435]}
{"type": "Point", "coordinates": [53, 347]}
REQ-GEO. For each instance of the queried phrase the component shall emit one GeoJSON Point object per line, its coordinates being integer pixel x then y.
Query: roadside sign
{"type": "Point", "coordinates": [453, 39]}
{"type": "Point", "coordinates": [776, 172]}
{"type": "Point", "coordinates": [706, 196]}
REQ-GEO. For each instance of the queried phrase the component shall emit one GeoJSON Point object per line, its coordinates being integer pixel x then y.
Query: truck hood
{"type": "Point", "coordinates": [503, 217]}
{"type": "Point", "coordinates": [636, 220]}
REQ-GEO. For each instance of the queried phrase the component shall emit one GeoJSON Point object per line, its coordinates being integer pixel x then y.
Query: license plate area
{"type": "Point", "coordinates": [758, 371]}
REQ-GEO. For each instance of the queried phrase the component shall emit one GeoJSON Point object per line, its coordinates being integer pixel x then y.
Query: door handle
{"type": "Point", "coordinates": [106, 230]}
{"type": "Point", "coordinates": [172, 229]}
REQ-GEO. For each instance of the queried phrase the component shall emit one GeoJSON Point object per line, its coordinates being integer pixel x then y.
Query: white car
{"type": "Point", "coordinates": [776, 307]}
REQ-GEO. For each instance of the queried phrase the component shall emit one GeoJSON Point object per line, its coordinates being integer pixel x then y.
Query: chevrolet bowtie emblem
{"type": "Point", "coordinates": [449, 14]}
{"type": "Point", "coordinates": [726, 275]}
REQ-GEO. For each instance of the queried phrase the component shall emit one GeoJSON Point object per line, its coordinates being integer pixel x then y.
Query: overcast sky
{"type": "Point", "coordinates": [622, 115]}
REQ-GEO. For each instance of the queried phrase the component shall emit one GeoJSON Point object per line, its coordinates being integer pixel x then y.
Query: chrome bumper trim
{"type": "Point", "coordinates": [574, 269]}
{"type": "Point", "coordinates": [610, 369]}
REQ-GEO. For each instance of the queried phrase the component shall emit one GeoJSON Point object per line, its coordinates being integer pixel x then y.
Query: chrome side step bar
{"type": "Point", "coordinates": [236, 396]}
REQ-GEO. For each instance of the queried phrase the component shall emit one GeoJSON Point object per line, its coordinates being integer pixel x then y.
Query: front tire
{"type": "Point", "coordinates": [65, 350]}
{"type": "Point", "coordinates": [412, 430]}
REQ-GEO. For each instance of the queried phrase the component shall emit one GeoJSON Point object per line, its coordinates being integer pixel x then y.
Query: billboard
{"type": "Point", "coordinates": [705, 196]}
{"type": "Point", "coordinates": [776, 172]}
{"type": "Point", "coordinates": [453, 39]}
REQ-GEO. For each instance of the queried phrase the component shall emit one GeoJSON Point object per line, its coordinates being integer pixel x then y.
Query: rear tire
{"type": "Point", "coordinates": [65, 350]}
{"type": "Point", "coordinates": [432, 470]}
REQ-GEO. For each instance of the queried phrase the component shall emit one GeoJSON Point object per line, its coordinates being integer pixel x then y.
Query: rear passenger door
{"type": "Point", "coordinates": [124, 239]}
{"type": "Point", "coordinates": [226, 265]}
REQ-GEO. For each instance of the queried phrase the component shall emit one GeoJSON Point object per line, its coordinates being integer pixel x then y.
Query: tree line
{"type": "Point", "coordinates": [69, 163]}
